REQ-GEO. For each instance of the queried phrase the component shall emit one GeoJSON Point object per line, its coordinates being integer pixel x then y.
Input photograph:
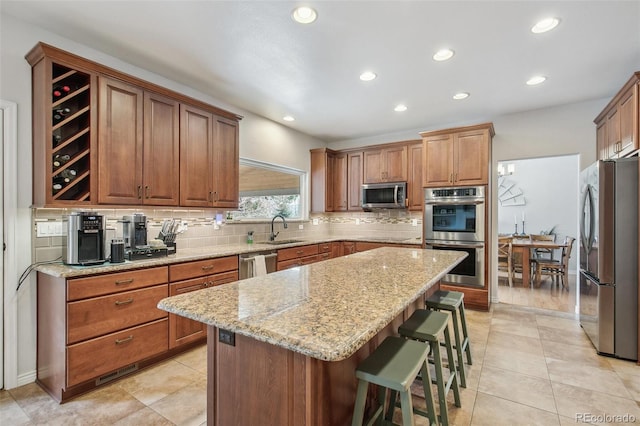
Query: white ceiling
{"type": "Point", "coordinates": [253, 55]}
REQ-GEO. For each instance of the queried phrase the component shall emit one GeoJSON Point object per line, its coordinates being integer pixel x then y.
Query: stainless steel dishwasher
{"type": "Point", "coordinates": [247, 259]}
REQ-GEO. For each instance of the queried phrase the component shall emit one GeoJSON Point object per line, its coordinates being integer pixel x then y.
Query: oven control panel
{"type": "Point", "coordinates": [455, 192]}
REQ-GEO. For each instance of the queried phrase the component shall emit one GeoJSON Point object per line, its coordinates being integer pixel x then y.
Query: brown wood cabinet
{"type": "Point", "coordinates": [209, 159]}
{"type": "Point", "coordinates": [297, 256]}
{"type": "Point", "coordinates": [617, 128]}
{"type": "Point", "coordinates": [385, 164]}
{"type": "Point", "coordinates": [94, 329]}
{"type": "Point", "coordinates": [191, 276]}
{"type": "Point", "coordinates": [322, 180]}
{"type": "Point", "coordinates": [457, 157]}
{"type": "Point", "coordinates": [340, 182]}
{"type": "Point", "coordinates": [354, 177]}
{"type": "Point", "coordinates": [138, 146]}
{"type": "Point", "coordinates": [124, 146]}
{"type": "Point", "coordinates": [348, 247]}
{"type": "Point", "coordinates": [415, 192]}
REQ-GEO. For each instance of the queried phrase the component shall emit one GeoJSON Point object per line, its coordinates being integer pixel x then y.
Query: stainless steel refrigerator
{"type": "Point", "coordinates": [609, 256]}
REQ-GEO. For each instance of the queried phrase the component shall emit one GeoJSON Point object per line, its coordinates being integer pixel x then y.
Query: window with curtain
{"type": "Point", "coordinates": [269, 189]}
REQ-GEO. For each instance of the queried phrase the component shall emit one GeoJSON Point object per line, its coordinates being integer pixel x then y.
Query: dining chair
{"type": "Point", "coordinates": [556, 269]}
{"type": "Point", "coordinates": [540, 253]}
{"type": "Point", "coordinates": [505, 256]}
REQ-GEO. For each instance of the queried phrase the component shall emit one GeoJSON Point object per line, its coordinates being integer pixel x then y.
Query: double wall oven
{"type": "Point", "coordinates": [454, 219]}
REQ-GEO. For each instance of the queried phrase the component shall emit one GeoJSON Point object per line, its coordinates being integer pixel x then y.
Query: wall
{"type": "Point", "coordinates": [260, 139]}
{"type": "Point", "coordinates": [550, 188]}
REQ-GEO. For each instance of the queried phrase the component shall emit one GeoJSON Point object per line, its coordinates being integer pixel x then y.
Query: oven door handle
{"type": "Point", "coordinates": [448, 203]}
{"type": "Point", "coordinates": [456, 245]}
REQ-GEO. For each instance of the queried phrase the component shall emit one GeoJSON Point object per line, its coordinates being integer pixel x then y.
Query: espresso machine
{"type": "Point", "coordinates": [136, 246]}
{"type": "Point", "coordinates": [83, 239]}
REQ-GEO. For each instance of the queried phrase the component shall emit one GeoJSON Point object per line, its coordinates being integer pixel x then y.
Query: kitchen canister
{"type": "Point", "coordinates": [117, 251]}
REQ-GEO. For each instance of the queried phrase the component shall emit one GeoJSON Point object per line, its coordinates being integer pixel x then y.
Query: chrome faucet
{"type": "Point", "coordinates": [273, 235]}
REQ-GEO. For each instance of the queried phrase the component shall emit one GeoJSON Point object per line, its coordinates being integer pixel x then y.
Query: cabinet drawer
{"type": "Point", "coordinates": [292, 263]}
{"type": "Point", "coordinates": [324, 248]}
{"type": "Point", "coordinates": [187, 270]}
{"type": "Point", "coordinates": [82, 288]}
{"type": "Point", "coordinates": [106, 314]}
{"type": "Point", "coordinates": [324, 256]}
{"type": "Point", "coordinates": [293, 252]}
{"type": "Point", "coordinates": [224, 278]}
{"type": "Point", "coordinates": [93, 358]}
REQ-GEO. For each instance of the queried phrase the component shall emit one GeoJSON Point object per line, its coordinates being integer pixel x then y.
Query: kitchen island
{"type": "Point", "coordinates": [282, 348]}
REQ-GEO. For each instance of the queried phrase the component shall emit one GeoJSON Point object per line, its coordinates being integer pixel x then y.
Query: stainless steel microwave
{"type": "Point", "coordinates": [387, 195]}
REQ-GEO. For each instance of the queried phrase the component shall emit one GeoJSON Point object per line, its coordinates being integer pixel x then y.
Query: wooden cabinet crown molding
{"type": "Point", "coordinates": [483, 126]}
{"type": "Point", "coordinates": [42, 50]}
{"type": "Point", "coordinates": [635, 79]}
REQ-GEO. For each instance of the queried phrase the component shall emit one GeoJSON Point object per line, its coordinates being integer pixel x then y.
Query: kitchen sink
{"type": "Point", "coordinates": [278, 242]}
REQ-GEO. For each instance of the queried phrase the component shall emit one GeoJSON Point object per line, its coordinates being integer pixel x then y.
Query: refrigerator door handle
{"type": "Point", "coordinates": [587, 202]}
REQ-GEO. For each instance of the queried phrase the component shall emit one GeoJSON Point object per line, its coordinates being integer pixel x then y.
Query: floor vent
{"type": "Point", "coordinates": [116, 374]}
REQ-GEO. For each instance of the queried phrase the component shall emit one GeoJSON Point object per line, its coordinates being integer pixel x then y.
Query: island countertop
{"type": "Point", "coordinates": [325, 310]}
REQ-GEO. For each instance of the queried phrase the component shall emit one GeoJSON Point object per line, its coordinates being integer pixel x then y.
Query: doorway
{"type": "Point", "coordinates": [539, 196]}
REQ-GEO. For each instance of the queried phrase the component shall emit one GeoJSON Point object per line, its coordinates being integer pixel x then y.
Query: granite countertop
{"type": "Point", "coordinates": [326, 310]}
{"type": "Point", "coordinates": [59, 269]}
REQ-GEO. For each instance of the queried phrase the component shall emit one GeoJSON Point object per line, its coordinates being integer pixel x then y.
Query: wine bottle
{"type": "Point", "coordinates": [56, 139]}
{"type": "Point", "coordinates": [56, 187]}
{"type": "Point", "coordinates": [59, 160]}
{"type": "Point", "coordinates": [60, 91]}
{"type": "Point", "coordinates": [57, 179]}
{"type": "Point", "coordinates": [68, 174]}
{"type": "Point", "coordinates": [60, 113]}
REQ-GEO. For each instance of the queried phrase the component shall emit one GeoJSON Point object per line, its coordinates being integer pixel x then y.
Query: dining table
{"type": "Point", "coordinates": [524, 246]}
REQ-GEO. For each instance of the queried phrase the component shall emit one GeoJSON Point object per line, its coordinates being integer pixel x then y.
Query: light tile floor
{"type": "Point", "coordinates": [530, 367]}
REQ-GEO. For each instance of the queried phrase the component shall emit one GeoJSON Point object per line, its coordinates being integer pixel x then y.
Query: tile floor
{"type": "Point", "coordinates": [530, 367]}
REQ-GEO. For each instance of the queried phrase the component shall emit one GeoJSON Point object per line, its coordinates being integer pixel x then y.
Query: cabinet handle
{"type": "Point", "coordinates": [139, 192]}
{"type": "Point", "coordinates": [451, 177]}
{"type": "Point", "coordinates": [124, 302]}
{"type": "Point", "coordinates": [455, 177]}
{"type": "Point", "coordinates": [299, 252]}
{"type": "Point", "coordinates": [215, 195]}
{"type": "Point", "coordinates": [210, 195]}
{"type": "Point", "coordinates": [121, 341]}
{"type": "Point", "coordinates": [207, 268]}
{"type": "Point", "coordinates": [122, 282]}
{"type": "Point", "coordinates": [146, 192]}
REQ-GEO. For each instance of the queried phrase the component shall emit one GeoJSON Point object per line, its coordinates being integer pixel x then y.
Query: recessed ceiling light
{"type": "Point", "coordinates": [400, 108]}
{"type": "Point", "coordinates": [368, 76]}
{"type": "Point", "coordinates": [443, 55]}
{"type": "Point", "coordinates": [545, 25]}
{"type": "Point", "coordinates": [536, 80]}
{"type": "Point", "coordinates": [288, 118]}
{"type": "Point", "coordinates": [461, 95]}
{"type": "Point", "coordinates": [304, 15]}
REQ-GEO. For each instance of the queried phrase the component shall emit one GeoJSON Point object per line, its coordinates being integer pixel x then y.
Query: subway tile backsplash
{"type": "Point", "coordinates": [203, 230]}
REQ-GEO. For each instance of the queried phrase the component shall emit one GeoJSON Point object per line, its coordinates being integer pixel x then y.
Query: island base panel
{"type": "Point", "coordinates": [255, 382]}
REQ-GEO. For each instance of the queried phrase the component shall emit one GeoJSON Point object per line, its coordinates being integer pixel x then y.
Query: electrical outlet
{"type": "Point", "coordinates": [414, 222]}
{"type": "Point", "coordinates": [315, 221]}
{"type": "Point", "coordinates": [49, 229]}
{"type": "Point", "coordinates": [226, 337]}
{"type": "Point", "coordinates": [357, 221]}
{"type": "Point", "coordinates": [301, 227]}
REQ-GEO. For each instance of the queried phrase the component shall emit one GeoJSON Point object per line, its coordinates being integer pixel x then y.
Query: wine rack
{"type": "Point", "coordinates": [70, 173]}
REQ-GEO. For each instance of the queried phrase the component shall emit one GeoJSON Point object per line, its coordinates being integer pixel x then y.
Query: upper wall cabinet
{"type": "Point", "coordinates": [64, 130]}
{"type": "Point", "coordinates": [617, 125]}
{"type": "Point", "coordinates": [209, 159]}
{"type": "Point", "coordinates": [322, 180]}
{"type": "Point", "coordinates": [457, 157]}
{"type": "Point", "coordinates": [104, 137]}
{"type": "Point", "coordinates": [415, 193]}
{"type": "Point", "coordinates": [385, 164]}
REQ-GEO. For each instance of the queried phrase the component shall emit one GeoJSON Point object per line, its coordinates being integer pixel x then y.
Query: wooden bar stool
{"type": "Point", "coordinates": [427, 326]}
{"type": "Point", "coordinates": [393, 365]}
{"type": "Point", "coordinates": [453, 301]}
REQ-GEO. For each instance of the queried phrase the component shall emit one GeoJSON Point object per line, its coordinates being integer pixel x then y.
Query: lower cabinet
{"type": "Point", "coordinates": [194, 276]}
{"type": "Point", "coordinates": [297, 256]}
{"type": "Point", "coordinates": [95, 329]}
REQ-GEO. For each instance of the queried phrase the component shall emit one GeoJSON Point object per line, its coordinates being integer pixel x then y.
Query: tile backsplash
{"type": "Point", "coordinates": [203, 229]}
